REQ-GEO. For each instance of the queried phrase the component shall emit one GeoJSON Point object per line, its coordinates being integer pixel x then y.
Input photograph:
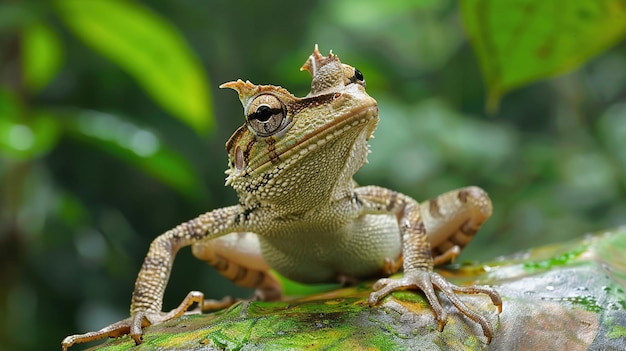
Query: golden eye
{"type": "Point", "coordinates": [266, 115]}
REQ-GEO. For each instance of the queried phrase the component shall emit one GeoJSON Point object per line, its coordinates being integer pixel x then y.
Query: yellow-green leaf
{"type": "Point", "coordinates": [519, 41]}
{"type": "Point", "coordinates": [41, 55]}
{"type": "Point", "coordinates": [149, 48]}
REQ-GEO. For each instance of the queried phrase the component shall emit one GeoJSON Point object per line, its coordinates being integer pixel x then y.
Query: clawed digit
{"type": "Point", "coordinates": [134, 325]}
{"type": "Point", "coordinates": [427, 282]}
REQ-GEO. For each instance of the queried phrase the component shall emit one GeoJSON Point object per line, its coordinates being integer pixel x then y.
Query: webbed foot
{"type": "Point", "coordinates": [427, 282]}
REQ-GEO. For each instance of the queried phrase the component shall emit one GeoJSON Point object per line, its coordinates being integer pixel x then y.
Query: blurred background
{"type": "Point", "coordinates": [112, 129]}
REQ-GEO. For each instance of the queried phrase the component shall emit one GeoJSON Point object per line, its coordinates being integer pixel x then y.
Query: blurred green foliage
{"type": "Point", "coordinates": [521, 41]}
{"type": "Point", "coordinates": [110, 135]}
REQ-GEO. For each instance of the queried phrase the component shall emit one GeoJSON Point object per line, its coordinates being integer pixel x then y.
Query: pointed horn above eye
{"type": "Point", "coordinates": [248, 90]}
{"type": "Point", "coordinates": [317, 60]}
{"type": "Point", "coordinates": [238, 85]}
{"type": "Point", "coordinates": [245, 89]}
{"type": "Point", "coordinates": [312, 63]}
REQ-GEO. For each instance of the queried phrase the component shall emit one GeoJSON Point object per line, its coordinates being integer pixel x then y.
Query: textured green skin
{"type": "Point", "coordinates": [573, 298]}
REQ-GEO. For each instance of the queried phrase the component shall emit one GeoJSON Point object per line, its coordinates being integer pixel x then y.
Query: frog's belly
{"type": "Point", "coordinates": [357, 250]}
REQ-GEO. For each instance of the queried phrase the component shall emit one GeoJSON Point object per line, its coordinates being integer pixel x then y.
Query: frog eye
{"type": "Point", "coordinates": [356, 76]}
{"type": "Point", "coordinates": [266, 115]}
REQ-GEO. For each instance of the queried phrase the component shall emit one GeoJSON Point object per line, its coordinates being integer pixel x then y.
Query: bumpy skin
{"type": "Point", "coordinates": [301, 213]}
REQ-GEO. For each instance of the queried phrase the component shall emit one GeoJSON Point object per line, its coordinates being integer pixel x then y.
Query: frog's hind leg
{"type": "Point", "coordinates": [452, 219]}
{"type": "Point", "coordinates": [237, 256]}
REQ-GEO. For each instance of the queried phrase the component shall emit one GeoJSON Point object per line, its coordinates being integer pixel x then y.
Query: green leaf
{"type": "Point", "coordinates": [138, 146]}
{"type": "Point", "coordinates": [519, 41]}
{"type": "Point", "coordinates": [149, 48]}
{"type": "Point", "coordinates": [41, 55]}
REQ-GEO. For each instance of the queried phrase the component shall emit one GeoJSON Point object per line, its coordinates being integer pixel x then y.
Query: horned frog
{"type": "Point", "coordinates": [301, 213]}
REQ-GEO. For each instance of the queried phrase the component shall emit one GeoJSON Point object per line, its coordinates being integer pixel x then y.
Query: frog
{"type": "Point", "coordinates": [301, 214]}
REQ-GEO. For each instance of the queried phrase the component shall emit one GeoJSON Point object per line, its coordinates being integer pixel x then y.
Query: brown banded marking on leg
{"type": "Point", "coordinates": [452, 219]}
{"type": "Point", "coordinates": [237, 256]}
{"type": "Point", "coordinates": [238, 274]}
{"type": "Point", "coordinates": [433, 208]}
{"type": "Point", "coordinates": [416, 247]}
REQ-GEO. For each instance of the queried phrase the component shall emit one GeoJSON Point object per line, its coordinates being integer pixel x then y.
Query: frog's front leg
{"type": "Point", "coordinates": [147, 299]}
{"type": "Point", "coordinates": [418, 259]}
